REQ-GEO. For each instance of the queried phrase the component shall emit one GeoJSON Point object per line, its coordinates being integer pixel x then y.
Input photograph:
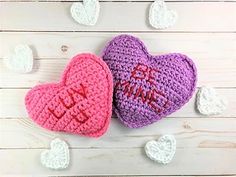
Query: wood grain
{"type": "Point", "coordinates": [219, 73]}
{"type": "Point", "coordinates": [55, 16]}
{"type": "Point", "coordinates": [13, 99]}
{"type": "Point", "coordinates": [54, 45]}
{"type": "Point", "coordinates": [119, 161]}
{"type": "Point", "coordinates": [116, 1]}
{"type": "Point", "coordinates": [205, 31]}
{"type": "Point", "coordinates": [189, 132]}
{"type": "Point", "coordinates": [214, 54]}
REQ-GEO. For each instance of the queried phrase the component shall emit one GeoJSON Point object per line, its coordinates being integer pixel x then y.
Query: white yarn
{"type": "Point", "coordinates": [85, 13]}
{"type": "Point", "coordinates": [21, 60]}
{"type": "Point", "coordinates": [58, 157]}
{"type": "Point", "coordinates": [209, 102]}
{"type": "Point", "coordinates": [163, 150]}
{"type": "Point", "coordinates": [160, 16]}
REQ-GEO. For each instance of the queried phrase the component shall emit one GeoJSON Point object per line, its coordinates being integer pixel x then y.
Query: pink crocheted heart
{"type": "Point", "coordinates": [81, 103]}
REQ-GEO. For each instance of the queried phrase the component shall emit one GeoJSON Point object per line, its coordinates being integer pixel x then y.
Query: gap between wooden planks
{"type": "Point", "coordinates": [12, 104]}
{"type": "Point", "coordinates": [122, 162]}
{"type": "Point", "coordinates": [220, 159]}
{"type": "Point", "coordinates": [118, 1]}
{"type": "Point", "coordinates": [217, 73]}
{"type": "Point", "coordinates": [209, 141]}
{"type": "Point", "coordinates": [56, 45]}
{"type": "Point", "coordinates": [190, 133]}
{"type": "Point", "coordinates": [55, 16]}
{"type": "Point", "coordinates": [214, 54]}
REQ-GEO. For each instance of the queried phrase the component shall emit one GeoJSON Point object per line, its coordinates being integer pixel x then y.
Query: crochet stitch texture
{"type": "Point", "coordinates": [209, 102]}
{"type": "Point", "coordinates": [58, 157]}
{"type": "Point", "coordinates": [85, 13]}
{"type": "Point", "coordinates": [147, 88]}
{"type": "Point", "coordinates": [80, 103]}
{"type": "Point", "coordinates": [160, 16]}
{"type": "Point", "coordinates": [21, 60]}
{"type": "Point", "coordinates": [162, 150]}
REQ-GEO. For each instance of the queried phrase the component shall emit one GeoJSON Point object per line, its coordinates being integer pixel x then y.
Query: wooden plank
{"type": "Point", "coordinates": [189, 132]}
{"type": "Point", "coordinates": [67, 44]}
{"type": "Point", "coordinates": [13, 99]}
{"type": "Point", "coordinates": [122, 162]}
{"type": "Point", "coordinates": [218, 73]}
{"type": "Point", "coordinates": [54, 16]}
{"type": "Point", "coordinates": [118, 1]}
{"type": "Point", "coordinates": [214, 54]}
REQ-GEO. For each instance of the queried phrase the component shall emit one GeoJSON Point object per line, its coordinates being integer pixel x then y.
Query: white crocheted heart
{"type": "Point", "coordinates": [160, 16]}
{"type": "Point", "coordinates": [85, 13]}
{"type": "Point", "coordinates": [209, 102]}
{"type": "Point", "coordinates": [21, 60]}
{"type": "Point", "coordinates": [57, 157]}
{"type": "Point", "coordinates": [163, 150]}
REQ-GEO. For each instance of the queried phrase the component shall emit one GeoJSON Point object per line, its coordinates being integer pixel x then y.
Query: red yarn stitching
{"type": "Point", "coordinates": [64, 104]}
{"type": "Point", "coordinates": [146, 73]}
{"type": "Point", "coordinates": [152, 100]}
{"type": "Point", "coordinates": [81, 92]}
{"type": "Point", "coordinates": [53, 113]}
{"type": "Point", "coordinates": [140, 94]}
{"type": "Point", "coordinates": [84, 115]}
{"type": "Point", "coordinates": [143, 72]}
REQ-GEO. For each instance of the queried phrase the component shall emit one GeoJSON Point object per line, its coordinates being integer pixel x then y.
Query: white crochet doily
{"type": "Point", "coordinates": [58, 157]}
{"type": "Point", "coordinates": [85, 13]}
{"type": "Point", "coordinates": [160, 16]}
{"type": "Point", "coordinates": [163, 150]}
{"type": "Point", "coordinates": [21, 60]}
{"type": "Point", "coordinates": [209, 102]}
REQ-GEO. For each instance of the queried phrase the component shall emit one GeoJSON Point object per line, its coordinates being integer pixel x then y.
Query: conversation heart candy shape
{"type": "Point", "coordinates": [160, 16]}
{"type": "Point", "coordinates": [161, 150]}
{"type": "Point", "coordinates": [81, 103]}
{"type": "Point", "coordinates": [146, 87]}
{"type": "Point", "coordinates": [21, 60]}
{"type": "Point", "coordinates": [209, 102]}
{"type": "Point", "coordinates": [57, 157]}
{"type": "Point", "coordinates": [85, 13]}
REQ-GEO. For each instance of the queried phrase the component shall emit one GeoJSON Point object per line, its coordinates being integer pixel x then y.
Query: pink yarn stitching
{"type": "Point", "coordinates": [81, 103]}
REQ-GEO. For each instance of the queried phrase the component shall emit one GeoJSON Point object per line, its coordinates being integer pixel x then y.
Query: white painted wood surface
{"type": "Point", "coordinates": [116, 16]}
{"type": "Point", "coordinates": [206, 31]}
{"type": "Point", "coordinates": [15, 97]}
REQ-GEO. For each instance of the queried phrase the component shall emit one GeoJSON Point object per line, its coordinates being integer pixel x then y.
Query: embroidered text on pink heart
{"type": "Point", "coordinates": [143, 73]}
{"type": "Point", "coordinates": [71, 93]}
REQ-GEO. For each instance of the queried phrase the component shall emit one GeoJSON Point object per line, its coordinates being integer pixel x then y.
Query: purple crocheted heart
{"type": "Point", "coordinates": [147, 88]}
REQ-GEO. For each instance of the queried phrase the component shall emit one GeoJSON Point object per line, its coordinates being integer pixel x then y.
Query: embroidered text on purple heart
{"type": "Point", "coordinates": [147, 88]}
